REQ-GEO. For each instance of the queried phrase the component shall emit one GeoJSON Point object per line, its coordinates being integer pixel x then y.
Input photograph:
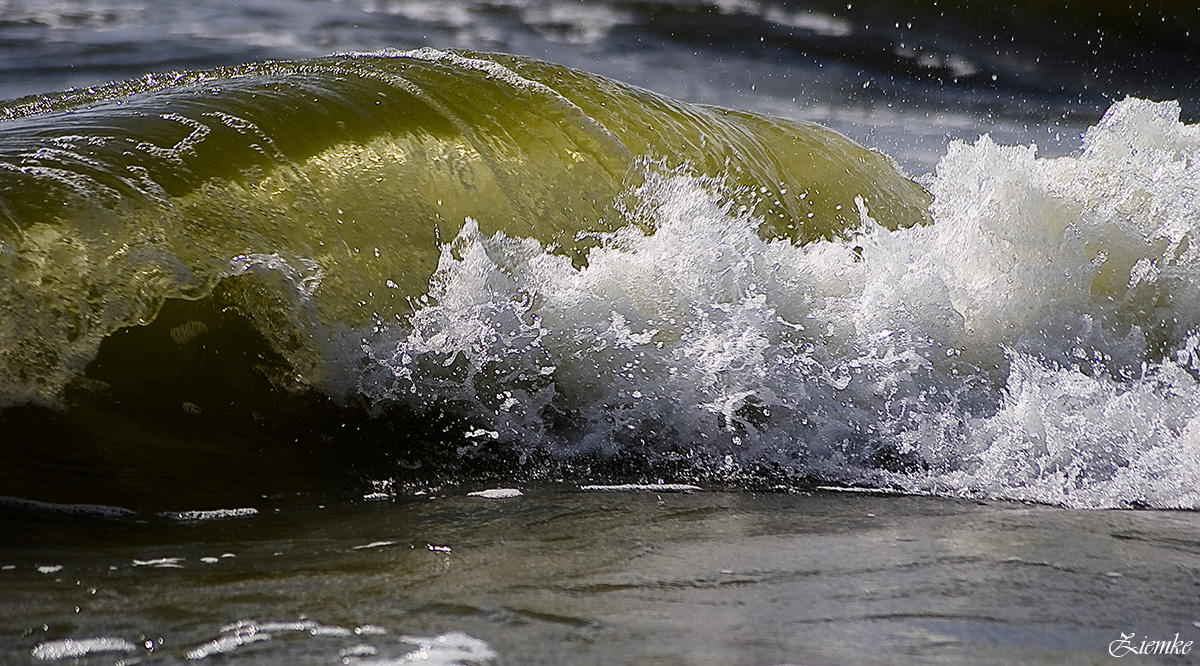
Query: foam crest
{"type": "Point", "coordinates": [1037, 341]}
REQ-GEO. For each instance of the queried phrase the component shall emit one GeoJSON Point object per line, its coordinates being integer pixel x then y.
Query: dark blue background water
{"type": "Point", "coordinates": [901, 75]}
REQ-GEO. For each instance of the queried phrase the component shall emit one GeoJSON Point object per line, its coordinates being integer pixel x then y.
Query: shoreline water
{"type": "Point", "coordinates": [558, 575]}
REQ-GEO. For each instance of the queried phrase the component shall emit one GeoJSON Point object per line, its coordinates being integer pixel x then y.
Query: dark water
{"type": "Point", "coordinates": [269, 314]}
{"type": "Point", "coordinates": [560, 576]}
{"type": "Point", "coordinates": [898, 75]}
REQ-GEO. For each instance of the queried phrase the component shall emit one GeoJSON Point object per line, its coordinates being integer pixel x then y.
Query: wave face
{"type": "Point", "coordinates": [338, 176]}
{"type": "Point", "coordinates": [377, 256]}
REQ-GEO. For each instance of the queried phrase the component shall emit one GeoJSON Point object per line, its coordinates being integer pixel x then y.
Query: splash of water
{"type": "Point", "coordinates": [1037, 341]}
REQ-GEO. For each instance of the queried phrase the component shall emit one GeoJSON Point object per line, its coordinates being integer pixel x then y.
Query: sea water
{"type": "Point", "coordinates": [560, 575]}
{"type": "Point", "coordinates": [410, 354]}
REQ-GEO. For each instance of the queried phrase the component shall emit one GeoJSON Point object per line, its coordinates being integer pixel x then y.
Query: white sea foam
{"type": "Point", "coordinates": [453, 648]}
{"type": "Point", "coordinates": [375, 544]}
{"type": "Point", "coordinates": [496, 493]}
{"type": "Point", "coordinates": [449, 649]}
{"type": "Point", "coordinates": [246, 632]}
{"type": "Point", "coordinates": [1039, 341]}
{"type": "Point", "coordinates": [213, 514]}
{"type": "Point", "coordinates": [79, 648]}
{"type": "Point", "coordinates": [161, 563]}
{"type": "Point", "coordinates": [642, 488]}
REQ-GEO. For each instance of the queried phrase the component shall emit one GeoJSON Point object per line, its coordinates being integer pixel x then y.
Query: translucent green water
{"type": "Point", "coordinates": [187, 258]}
{"type": "Point", "coordinates": [339, 176]}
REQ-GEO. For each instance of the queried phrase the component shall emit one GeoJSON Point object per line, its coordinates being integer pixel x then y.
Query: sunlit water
{"type": "Point", "coordinates": [1007, 373]}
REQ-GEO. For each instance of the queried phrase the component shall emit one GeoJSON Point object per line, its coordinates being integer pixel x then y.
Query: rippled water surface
{"type": "Point", "coordinates": [557, 575]}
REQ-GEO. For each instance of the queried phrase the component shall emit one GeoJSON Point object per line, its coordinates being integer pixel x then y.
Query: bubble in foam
{"type": "Point", "coordinates": [453, 648]}
{"type": "Point", "coordinates": [80, 648]}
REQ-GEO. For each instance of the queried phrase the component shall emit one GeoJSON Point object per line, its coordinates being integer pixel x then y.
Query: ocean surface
{"type": "Point", "coordinates": [519, 332]}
